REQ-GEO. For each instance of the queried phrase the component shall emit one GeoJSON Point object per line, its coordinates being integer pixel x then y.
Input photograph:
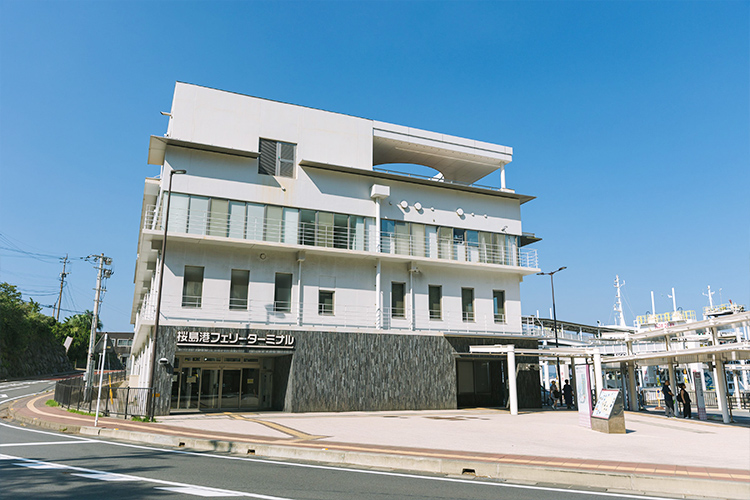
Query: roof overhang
{"type": "Point", "coordinates": [458, 159]}
{"type": "Point", "coordinates": [157, 149]}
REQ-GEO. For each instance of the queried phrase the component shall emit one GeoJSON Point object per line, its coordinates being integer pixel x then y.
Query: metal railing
{"type": "Point", "coordinates": [668, 317]}
{"type": "Point", "coordinates": [653, 396]}
{"type": "Point", "coordinates": [116, 401]}
{"type": "Point", "coordinates": [459, 250]}
{"type": "Point", "coordinates": [360, 236]}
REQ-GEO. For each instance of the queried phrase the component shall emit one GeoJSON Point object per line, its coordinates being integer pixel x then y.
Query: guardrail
{"type": "Point", "coordinates": [116, 401]}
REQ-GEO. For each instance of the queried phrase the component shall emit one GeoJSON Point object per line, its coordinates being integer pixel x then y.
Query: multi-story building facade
{"type": "Point", "coordinates": [301, 275]}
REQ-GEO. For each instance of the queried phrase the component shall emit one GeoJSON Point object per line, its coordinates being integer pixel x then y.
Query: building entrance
{"type": "Point", "coordinates": [221, 382]}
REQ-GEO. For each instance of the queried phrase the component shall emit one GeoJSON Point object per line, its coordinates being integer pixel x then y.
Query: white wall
{"type": "Point", "coordinates": [226, 119]}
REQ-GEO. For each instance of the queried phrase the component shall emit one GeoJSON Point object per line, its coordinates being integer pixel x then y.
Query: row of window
{"type": "Point", "coordinates": [192, 292]}
{"type": "Point", "coordinates": [435, 302]}
{"type": "Point", "coordinates": [235, 219]}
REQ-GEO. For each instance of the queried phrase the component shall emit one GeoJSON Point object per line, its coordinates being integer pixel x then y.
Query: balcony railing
{"type": "Point", "coordinates": [356, 233]}
{"type": "Point", "coordinates": [262, 313]}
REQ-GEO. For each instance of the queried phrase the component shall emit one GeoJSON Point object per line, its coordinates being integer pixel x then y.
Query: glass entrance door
{"type": "Point", "coordinates": [250, 384]}
{"type": "Point", "coordinates": [230, 389]}
{"type": "Point", "coordinates": [209, 396]}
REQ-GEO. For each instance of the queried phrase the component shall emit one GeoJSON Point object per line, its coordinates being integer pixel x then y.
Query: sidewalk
{"type": "Point", "coordinates": [657, 455]}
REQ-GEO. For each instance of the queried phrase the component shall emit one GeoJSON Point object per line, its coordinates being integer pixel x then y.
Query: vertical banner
{"type": "Point", "coordinates": [583, 394]}
{"type": "Point", "coordinates": [699, 401]}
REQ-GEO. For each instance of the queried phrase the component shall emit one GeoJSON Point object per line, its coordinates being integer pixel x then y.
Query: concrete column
{"type": "Point", "coordinates": [598, 371]}
{"type": "Point", "coordinates": [378, 295]}
{"type": "Point", "coordinates": [512, 391]}
{"type": "Point", "coordinates": [502, 177]}
{"type": "Point", "coordinates": [672, 380]}
{"type": "Point", "coordinates": [412, 309]}
{"type": "Point", "coordinates": [715, 375]}
{"type": "Point", "coordinates": [721, 392]}
{"type": "Point", "coordinates": [632, 388]}
{"type": "Point", "coordinates": [546, 374]}
{"type": "Point", "coordinates": [300, 259]}
{"type": "Point", "coordinates": [378, 298]}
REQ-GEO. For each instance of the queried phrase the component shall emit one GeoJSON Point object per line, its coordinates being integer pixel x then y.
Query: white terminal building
{"type": "Point", "coordinates": [302, 275]}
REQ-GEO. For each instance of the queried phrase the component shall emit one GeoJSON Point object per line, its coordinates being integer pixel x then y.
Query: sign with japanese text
{"type": "Point", "coordinates": [607, 404]}
{"type": "Point", "coordinates": [235, 339]}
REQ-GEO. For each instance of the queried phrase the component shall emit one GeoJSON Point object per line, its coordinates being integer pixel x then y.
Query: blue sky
{"type": "Point", "coordinates": [629, 122]}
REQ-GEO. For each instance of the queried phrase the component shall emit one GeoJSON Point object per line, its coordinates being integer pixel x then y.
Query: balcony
{"type": "Point", "coordinates": [349, 233]}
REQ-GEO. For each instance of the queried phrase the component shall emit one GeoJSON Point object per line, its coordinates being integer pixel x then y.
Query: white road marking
{"type": "Point", "coordinates": [3, 395]}
{"type": "Point", "coordinates": [198, 491]}
{"type": "Point", "coordinates": [106, 476]}
{"type": "Point", "coordinates": [47, 443]}
{"type": "Point", "coordinates": [191, 489]}
{"type": "Point", "coordinates": [363, 471]}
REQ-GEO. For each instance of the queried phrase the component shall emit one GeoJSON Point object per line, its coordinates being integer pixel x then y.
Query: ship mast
{"type": "Point", "coordinates": [618, 302]}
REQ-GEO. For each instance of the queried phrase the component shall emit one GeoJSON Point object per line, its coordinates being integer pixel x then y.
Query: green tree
{"type": "Point", "coordinates": [78, 327]}
{"type": "Point", "coordinates": [27, 345]}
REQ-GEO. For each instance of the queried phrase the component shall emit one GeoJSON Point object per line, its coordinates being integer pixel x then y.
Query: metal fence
{"type": "Point", "coordinates": [655, 397]}
{"type": "Point", "coordinates": [116, 401]}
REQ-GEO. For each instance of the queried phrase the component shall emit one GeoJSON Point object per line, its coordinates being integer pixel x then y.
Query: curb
{"type": "Point", "coordinates": [525, 474]}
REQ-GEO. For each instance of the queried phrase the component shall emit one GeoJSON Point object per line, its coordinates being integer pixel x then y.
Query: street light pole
{"type": "Point", "coordinates": [158, 292]}
{"type": "Point", "coordinates": [554, 320]}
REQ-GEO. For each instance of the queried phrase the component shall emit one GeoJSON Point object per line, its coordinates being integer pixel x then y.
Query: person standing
{"type": "Point", "coordinates": [668, 399]}
{"type": "Point", "coordinates": [555, 392]}
{"type": "Point", "coordinates": [687, 411]}
{"type": "Point", "coordinates": [568, 394]}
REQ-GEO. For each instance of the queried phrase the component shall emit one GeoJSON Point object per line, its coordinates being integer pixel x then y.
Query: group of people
{"type": "Point", "coordinates": [567, 394]}
{"type": "Point", "coordinates": [682, 396]}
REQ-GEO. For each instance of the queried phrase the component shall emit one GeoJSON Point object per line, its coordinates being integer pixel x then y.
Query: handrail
{"type": "Point", "coordinates": [363, 238]}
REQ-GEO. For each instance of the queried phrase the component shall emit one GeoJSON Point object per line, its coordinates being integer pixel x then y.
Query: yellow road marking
{"type": "Point", "coordinates": [277, 427]}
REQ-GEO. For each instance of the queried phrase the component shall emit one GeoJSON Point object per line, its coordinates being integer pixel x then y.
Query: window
{"type": "Point", "coordinates": [325, 302]}
{"type": "Point", "coordinates": [467, 304]}
{"type": "Point", "coordinates": [398, 294]}
{"type": "Point", "coordinates": [192, 286]}
{"type": "Point", "coordinates": [498, 301]}
{"type": "Point", "coordinates": [218, 218]}
{"type": "Point", "coordinates": [307, 227]}
{"type": "Point", "coordinates": [282, 295]}
{"type": "Point", "coordinates": [238, 289]}
{"type": "Point", "coordinates": [324, 234]}
{"type": "Point", "coordinates": [276, 158]}
{"type": "Point", "coordinates": [272, 226]}
{"type": "Point", "coordinates": [340, 231]}
{"type": "Point", "coordinates": [435, 294]}
{"type": "Point", "coordinates": [124, 342]}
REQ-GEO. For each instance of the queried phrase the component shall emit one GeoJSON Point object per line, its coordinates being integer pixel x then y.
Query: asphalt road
{"type": "Point", "coordinates": [41, 464]}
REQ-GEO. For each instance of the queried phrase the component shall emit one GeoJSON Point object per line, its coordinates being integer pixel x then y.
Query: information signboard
{"type": "Point", "coordinates": [609, 415]}
{"type": "Point", "coordinates": [606, 403]}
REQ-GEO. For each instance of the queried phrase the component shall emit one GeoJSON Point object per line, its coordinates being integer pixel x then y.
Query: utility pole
{"type": "Point", "coordinates": [101, 273]}
{"type": "Point", "coordinates": [63, 274]}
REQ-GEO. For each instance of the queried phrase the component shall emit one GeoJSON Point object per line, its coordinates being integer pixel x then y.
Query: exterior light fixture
{"type": "Point", "coordinates": [404, 204]}
{"type": "Point", "coordinates": [460, 212]}
{"type": "Point", "coordinates": [554, 319]}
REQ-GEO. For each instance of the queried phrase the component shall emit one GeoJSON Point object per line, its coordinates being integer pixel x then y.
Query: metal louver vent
{"type": "Point", "coordinates": [276, 158]}
{"type": "Point", "coordinates": [267, 161]}
{"type": "Point", "coordinates": [286, 159]}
